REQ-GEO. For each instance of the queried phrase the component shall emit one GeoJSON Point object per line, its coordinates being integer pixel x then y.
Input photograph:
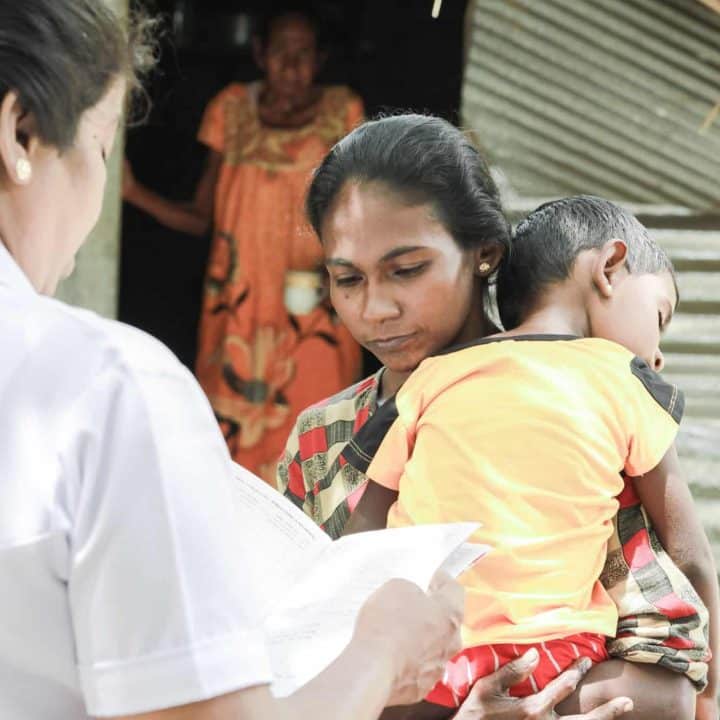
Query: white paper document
{"type": "Point", "coordinates": [312, 588]}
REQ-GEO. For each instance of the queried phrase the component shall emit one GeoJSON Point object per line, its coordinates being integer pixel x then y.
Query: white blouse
{"type": "Point", "coordinates": [122, 582]}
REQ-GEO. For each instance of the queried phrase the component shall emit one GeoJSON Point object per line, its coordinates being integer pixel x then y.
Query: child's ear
{"type": "Point", "coordinates": [608, 263]}
{"type": "Point", "coordinates": [487, 258]}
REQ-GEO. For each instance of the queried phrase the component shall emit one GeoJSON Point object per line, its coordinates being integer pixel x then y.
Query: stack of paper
{"type": "Point", "coordinates": [312, 588]}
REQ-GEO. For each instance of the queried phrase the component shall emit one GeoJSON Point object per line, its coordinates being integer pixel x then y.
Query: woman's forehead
{"type": "Point", "coordinates": [368, 222]}
{"type": "Point", "coordinates": [293, 29]}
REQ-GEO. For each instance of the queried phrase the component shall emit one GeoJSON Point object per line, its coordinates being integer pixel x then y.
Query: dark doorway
{"type": "Point", "coordinates": [392, 52]}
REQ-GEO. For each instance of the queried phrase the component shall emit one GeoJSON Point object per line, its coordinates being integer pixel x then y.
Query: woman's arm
{"type": "Point", "coordinates": [193, 218]}
{"type": "Point", "coordinates": [488, 700]}
{"type": "Point", "coordinates": [657, 693]}
{"type": "Point", "coordinates": [371, 512]}
{"type": "Point", "coordinates": [670, 506]}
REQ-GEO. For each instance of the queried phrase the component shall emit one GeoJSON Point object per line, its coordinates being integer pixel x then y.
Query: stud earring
{"type": "Point", "coordinates": [484, 267]}
{"type": "Point", "coordinates": [23, 169]}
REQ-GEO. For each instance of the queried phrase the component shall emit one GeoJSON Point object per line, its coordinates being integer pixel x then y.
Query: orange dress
{"type": "Point", "coordinates": [259, 365]}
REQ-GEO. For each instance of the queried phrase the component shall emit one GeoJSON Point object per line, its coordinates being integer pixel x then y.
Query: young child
{"type": "Point", "coordinates": [577, 404]}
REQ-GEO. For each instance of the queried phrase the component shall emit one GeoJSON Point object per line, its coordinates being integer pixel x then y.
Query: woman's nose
{"type": "Point", "coordinates": [379, 306]}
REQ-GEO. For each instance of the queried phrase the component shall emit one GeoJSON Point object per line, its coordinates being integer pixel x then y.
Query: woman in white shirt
{"type": "Point", "coordinates": [123, 587]}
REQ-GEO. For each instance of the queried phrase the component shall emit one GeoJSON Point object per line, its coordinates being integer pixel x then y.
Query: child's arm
{"type": "Point", "coordinates": [371, 512]}
{"type": "Point", "coordinates": [669, 504]}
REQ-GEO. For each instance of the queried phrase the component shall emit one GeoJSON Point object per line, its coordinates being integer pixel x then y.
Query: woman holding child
{"type": "Point", "coordinates": [412, 229]}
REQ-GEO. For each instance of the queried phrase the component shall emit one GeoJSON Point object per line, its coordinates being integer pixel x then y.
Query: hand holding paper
{"type": "Point", "coordinates": [314, 589]}
{"type": "Point", "coordinates": [424, 630]}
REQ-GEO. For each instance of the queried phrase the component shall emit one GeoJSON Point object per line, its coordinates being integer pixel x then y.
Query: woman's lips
{"type": "Point", "coordinates": [390, 343]}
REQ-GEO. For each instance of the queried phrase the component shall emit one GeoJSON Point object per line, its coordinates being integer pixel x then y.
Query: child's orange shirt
{"type": "Point", "coordinates": [527, 436]}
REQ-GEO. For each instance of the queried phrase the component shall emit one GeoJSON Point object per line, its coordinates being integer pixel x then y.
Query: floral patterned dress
{"type": "Point", "coordinates": [258, 364]}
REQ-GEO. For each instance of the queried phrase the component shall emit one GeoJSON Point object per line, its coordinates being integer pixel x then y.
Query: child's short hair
{"type": "Point", "coordinates": [547, 242]}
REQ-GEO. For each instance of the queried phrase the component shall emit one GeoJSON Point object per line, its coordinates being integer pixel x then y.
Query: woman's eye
{"type": "Point", "coordinates": [346, 280]}
{"type": "Point", "coordinates": [411, 270]}
{"type": "Point", "coordinates": [660, 321]}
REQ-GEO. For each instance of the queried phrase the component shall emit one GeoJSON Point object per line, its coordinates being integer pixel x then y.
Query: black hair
{"type": "Point", "coordinates": [61, 57]}
{"type": "Point", "coordinates": [423, 159]}
{"type": "Point", "coordinates": [546, 244]}
{"type": "Point", "coordinates": [277, 11]}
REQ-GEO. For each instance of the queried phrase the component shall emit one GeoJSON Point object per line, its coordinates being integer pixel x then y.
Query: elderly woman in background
{"type": "Point", "coordinates": [268, 345]}
{"type": "Point", "coordinates": [124, 589]}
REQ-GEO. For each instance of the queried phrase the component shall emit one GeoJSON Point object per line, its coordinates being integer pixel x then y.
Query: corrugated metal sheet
{"type": "Point", "coordinates": [599, 96]}
{"type": "Point", "coordinates": [692, 353]}
{"type": "Point", "coordinates": [608, 97]}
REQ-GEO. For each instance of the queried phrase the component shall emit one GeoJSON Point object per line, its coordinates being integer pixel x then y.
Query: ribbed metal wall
{"type": "Point", "coordinates": [692, 355]}
{"type": "Point", "coordinates": [599, 96]}
{"type": "Point", "coordinates": [609, 97]}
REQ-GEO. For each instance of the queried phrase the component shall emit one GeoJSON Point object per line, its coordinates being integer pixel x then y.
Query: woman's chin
{"type": "Point", "coordinates": [400, 366]}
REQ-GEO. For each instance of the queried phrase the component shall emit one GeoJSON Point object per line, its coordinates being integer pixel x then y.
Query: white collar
{"type": "Point", "coordinates": [11, 275]}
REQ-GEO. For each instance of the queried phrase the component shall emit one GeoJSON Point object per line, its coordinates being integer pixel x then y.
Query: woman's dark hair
{"type": "Point", "coordinates": [61, 56]}
{"type": "Point", "coordinates": [423, 159]}
{"type": "Point", "coordinates": [547, 243]}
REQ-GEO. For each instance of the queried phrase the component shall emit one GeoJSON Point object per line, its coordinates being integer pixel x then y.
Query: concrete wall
{"type": "Point", "coordinates": [94, 284]}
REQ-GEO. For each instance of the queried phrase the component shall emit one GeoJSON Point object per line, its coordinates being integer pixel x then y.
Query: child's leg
{"type": "Point", "coordinates": [473, 663]}
{"type": "Point", "coordinates": [658, 694]}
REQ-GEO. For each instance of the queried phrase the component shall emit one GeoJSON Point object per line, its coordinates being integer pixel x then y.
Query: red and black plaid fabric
{"type": "Point", "coordinates": [313, 472]}
{"type": "Point", "coordinates": [662, 619]}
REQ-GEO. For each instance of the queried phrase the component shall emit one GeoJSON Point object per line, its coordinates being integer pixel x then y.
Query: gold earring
{"type": "Point", "coordinates": [23, 169]}
{"type": "Point", "coordinates": [484, 267]}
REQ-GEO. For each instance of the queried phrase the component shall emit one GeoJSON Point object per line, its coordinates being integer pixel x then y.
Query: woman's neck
{"type": "Point", "coordinates": [390, 382]}
{"type": "Point", "coordinates": [286, 112]}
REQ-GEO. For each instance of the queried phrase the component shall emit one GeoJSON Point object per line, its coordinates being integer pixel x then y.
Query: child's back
{"type": "Point", "coordinates": [540, 472]}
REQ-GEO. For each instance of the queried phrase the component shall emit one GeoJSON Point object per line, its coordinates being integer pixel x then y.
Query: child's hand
{"type": "Point", "coordinates": [706, 708]}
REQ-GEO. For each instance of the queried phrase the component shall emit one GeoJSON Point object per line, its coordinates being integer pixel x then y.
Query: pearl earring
{"type": "Point", "coordinates": [23, 169]}
{"type": "Point", "coordinates": [484, 267]}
